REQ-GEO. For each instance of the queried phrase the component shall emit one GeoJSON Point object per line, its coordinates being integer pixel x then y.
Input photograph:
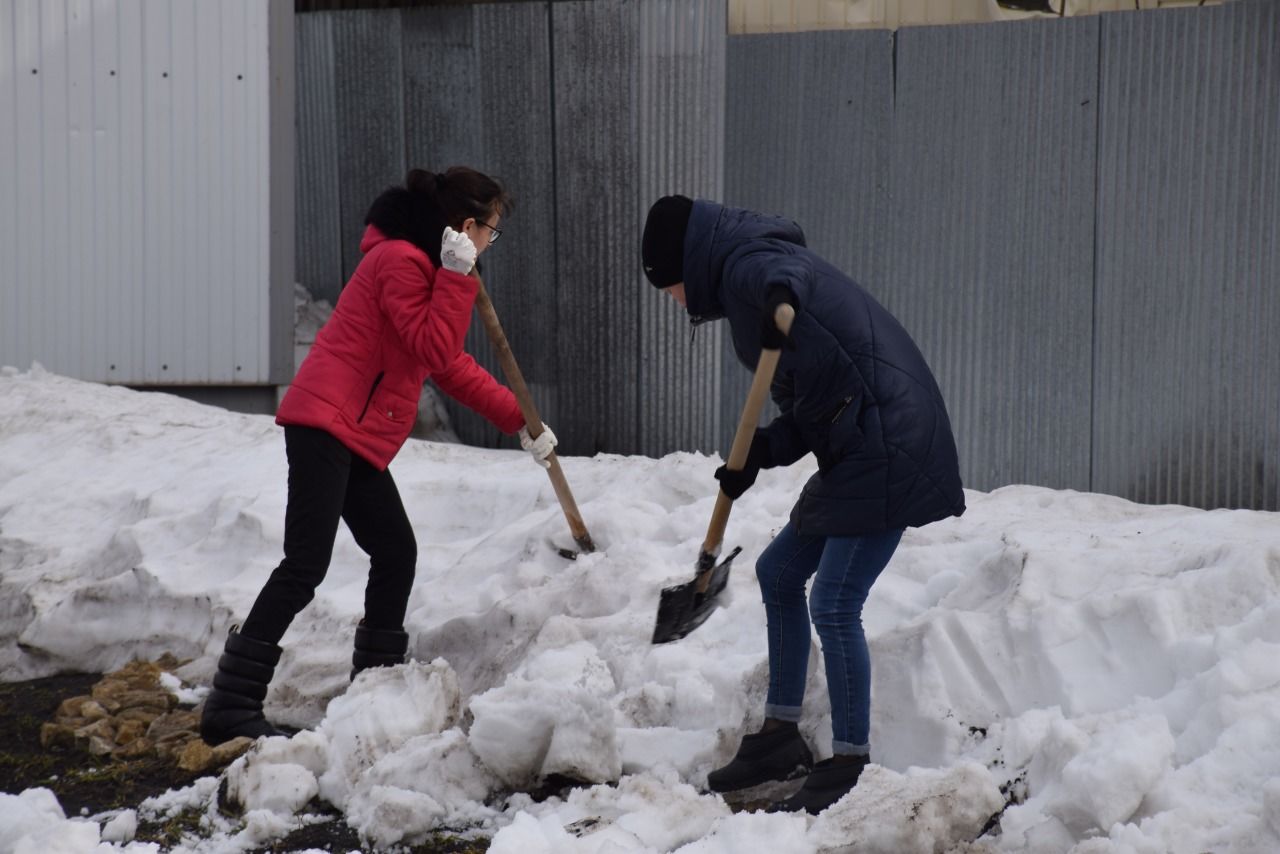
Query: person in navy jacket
{"type": "Point", "coordinates": [852, 389]}
{"type": "Point", "coordinates": [401, 319]}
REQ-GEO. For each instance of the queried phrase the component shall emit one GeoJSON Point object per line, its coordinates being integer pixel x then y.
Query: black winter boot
{"type": "Point", "coordinates": [234, 706]}
{"type": "Point", "coordinates": [378, 648]}
{"type": "Point", "coordinates": [774, 754]}
{"type": "Point", "coordinates": [830, 780]}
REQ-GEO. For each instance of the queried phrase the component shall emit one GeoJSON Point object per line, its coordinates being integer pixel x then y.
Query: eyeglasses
{"type": "Point", "coordinates": [497, 232]}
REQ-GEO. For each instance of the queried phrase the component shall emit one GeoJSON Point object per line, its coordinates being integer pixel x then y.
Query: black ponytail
{"type": "Point", "coordinates": [419, 211]}
{"type": "Point", "coordinates": [422, 181]}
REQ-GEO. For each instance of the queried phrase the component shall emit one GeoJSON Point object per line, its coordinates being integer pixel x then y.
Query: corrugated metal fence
{"type": "Point", "coordinates": [586, 111]}
{"type": "Point", "coordinates": [1077, 219]}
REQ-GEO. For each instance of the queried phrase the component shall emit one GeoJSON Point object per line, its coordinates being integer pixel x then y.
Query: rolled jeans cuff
{"type": "Point", "coordinates": [782, 713]}
{"type": "Point", "coordinates": [844, 748]}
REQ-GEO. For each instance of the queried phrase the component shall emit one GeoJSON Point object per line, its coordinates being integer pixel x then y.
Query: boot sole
{"type": "Point", "coordinates": [764, 793]}
{"type": "Point", "coordinates": [766, 787]}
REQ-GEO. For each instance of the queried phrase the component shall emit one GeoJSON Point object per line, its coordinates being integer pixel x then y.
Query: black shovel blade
{"type": "Point", "coordinates": [585, 546]}
{"type": "Point", "coordinates": [681, 608]}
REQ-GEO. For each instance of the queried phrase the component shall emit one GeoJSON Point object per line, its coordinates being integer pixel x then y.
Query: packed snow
{"type": "Point", "coordinates": [1109, 671]}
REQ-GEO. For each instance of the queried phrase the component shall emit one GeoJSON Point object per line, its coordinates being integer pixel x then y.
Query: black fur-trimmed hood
{"type": "Point", "coordinates": [401, 214]}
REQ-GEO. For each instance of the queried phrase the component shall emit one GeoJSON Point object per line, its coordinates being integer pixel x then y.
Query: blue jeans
{"type": "Point", "coordinates": [844, 568]}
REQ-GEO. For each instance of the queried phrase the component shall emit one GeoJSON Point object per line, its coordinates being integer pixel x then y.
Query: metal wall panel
{"type": "Point", "coordinates": [636, 91]}
{"type": "Point", "coordinates": [1187, 377]}
{"type": "Point", "coordinates": [990, 258]}
{"type": "Point", "coordinates": [780, 16]}
{"type": "Point", "coordinates": [594, 47]}
{"type": "Point", "coordinates": [12, 298]}
{"type": "Point", "coordinates": [513, 65]}
{"type": "Point", "coordinates": [478, 93]}
{"type": "Point", "coordinates": [821, 159]}
{"type": "Point", "coordinates": [442, 86]}
{"type": "Point", "coordinates": [159, 207]}
{"type": "Point", "coordinates": [638, 95]}
{"type": "Point", "coordinates": [135, 241]}
{"type": "Point", "coordinates": [56, 124]}
{"type": "Point", "coordinates": [281, 221]}
{"type": "Point", "coordinates": [108, 246]}
{"type": "Point", "coordinates": [678, 114]}
{"type": "Point", "coordinates": [126, 356]}
{"type": "Point", "coordinates": [319, 232]}
{"type": "Point", "coordinates": [369, 95]}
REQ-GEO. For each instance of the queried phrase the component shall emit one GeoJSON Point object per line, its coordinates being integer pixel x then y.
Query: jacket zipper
{"type": "Point", "coordinates": [695, 322]}
{"type": "Point", "coordinates": [844, 404]}
{"type": "Point", "coordinates": [368, 400]}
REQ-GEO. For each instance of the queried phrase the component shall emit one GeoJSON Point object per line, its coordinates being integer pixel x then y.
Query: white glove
{"type": "Point", "coordinates": [540, 447]}
{"type": "Point", "coordinates": [457, 252]}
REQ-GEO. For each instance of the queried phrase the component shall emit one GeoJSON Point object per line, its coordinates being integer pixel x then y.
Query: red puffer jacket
{"type": "Point", "coordinates": [397, 322]}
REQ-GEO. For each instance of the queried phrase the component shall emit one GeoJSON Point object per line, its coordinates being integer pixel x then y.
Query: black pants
{"type": "Point", "coordinates": [327, 483]}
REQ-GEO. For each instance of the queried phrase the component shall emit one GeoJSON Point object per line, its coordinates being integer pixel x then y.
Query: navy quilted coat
{"type": "Point", "coordinates": [855, 391]}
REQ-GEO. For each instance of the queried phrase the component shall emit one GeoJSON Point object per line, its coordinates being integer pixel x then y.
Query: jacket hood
{"type": "Point", "coordinates": [714, 235]}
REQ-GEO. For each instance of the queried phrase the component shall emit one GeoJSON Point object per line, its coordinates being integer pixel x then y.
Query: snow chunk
{"type": "Point", "coordinates": [24, 816]}
{"type": "Point", "coordinates": [924, 810]}
{"type": "Point", "coordinates": [552, 716]}
{"type": "Point", "coordinates": [775, 833]}
{"type": "Point", "coordinates": [278, 775]}
{"type": "Point", "coordinates": [383, 710]}
{"type": "Point", "coordinates": [648, 813]}
{"type": "Point", "coordinates": [431, 780]}
{"type": "Point", "coordinates": [1106, 783]}
{"type": "Point", "coordinates": [121, 828]}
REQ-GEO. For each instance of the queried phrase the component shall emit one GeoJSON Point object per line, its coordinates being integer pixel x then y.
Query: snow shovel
{"type": "Point", "coordinates": [532, 420]}
{"type": "Point", "coordinates": [684, 607]}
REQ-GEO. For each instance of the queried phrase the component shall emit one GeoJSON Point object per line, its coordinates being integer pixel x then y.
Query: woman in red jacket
{"type": "Point", "coordinates": [400, 320]}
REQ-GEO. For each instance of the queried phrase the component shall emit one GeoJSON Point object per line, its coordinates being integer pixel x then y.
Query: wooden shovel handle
{"type": "Point", "coordinates": [532, 421]}
{"type": "Point", "coordinates": [760, 383]}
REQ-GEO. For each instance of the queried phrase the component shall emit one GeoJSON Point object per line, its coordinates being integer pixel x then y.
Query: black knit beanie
{"type": "Point", "coordinates": [662, 246]}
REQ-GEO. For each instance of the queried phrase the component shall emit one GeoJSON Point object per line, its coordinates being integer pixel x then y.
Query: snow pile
{"type": "Point", "coordinates": [1109, 670]}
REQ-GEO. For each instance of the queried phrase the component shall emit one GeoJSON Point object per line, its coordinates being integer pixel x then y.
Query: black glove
{"type": "Point", "coordinates": [734, 483]}
{"type": "Point", "coordinates": [771, 337]}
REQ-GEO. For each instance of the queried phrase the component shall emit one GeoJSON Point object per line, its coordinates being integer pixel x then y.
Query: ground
{"type": "Point", "coordinates": [85, 785]}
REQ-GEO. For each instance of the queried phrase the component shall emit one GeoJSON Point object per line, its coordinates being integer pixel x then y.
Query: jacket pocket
{"type": "Point", "coordinates": [838, 432]}
{"type": "Point", "coordinates": [368, 400]}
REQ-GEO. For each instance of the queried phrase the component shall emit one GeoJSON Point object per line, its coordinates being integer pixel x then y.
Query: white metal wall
{"type": "Point", "coordinates": [135, 199]}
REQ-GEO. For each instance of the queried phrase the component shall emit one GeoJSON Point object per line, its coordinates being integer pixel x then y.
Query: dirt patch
{"type": "Point", "coordinates": [84, 784]}
{"type": "Point", "coordinates": [88, 785]}
{"type": "Point", "coordinates": [337, 835]}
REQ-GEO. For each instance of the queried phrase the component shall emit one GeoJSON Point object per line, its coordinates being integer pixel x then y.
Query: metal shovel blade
{"type": "Point", "coordinates": [585, 547]}
{"type": "Point", "coordinates": [683, 607]}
